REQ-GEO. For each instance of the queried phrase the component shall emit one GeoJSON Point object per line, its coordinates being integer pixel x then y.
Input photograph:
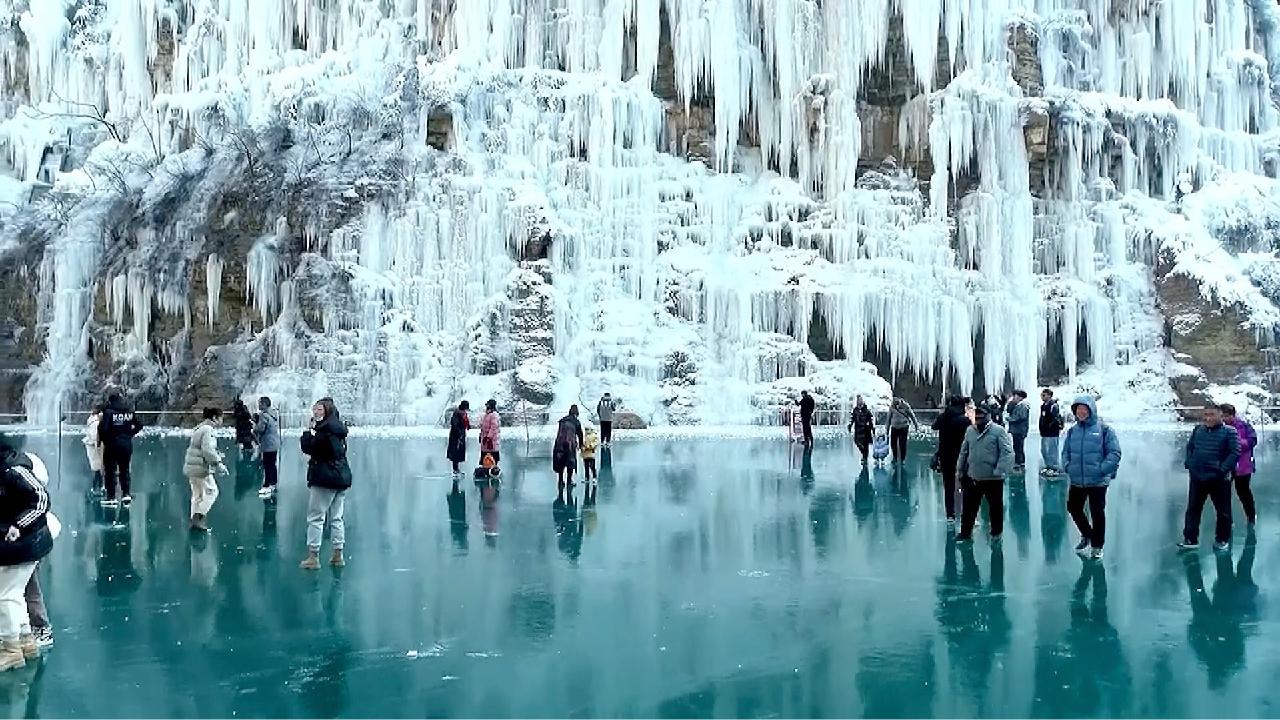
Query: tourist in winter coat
{"type": "Point", "coordinates": [200, 464]}
{"type": "Point", "coordinates": [459, 424]}
{"type": "Point", "coordinates": [491, 430]}
{"type": "Point", "coordinates": [863, 426]}
{"type": "Point", "coordinates": [986, 457]}
{"type": "Point", "coordinates": [41, 635]}
{"type": "Point", "coordinates": [1017, 414]}
{"type": "Point", "coordinates": [25, 538]}
{"type": "Point", "coordinates": [564, 451]}
{"type": "Point", "coordinates": [116, 431]}
{"type": "Point", "coordinates": [1243, 473]}
{"type": "Point", "coordinates": [328, 479]}
{"type": "Point", "coordinates": [901, 419]}
{"type": "Point", "coordinates": [604, 413]}
{"type": "Point", "coordinates": [1091, 458]}
{"type": "Point", "coordinates": [807, 406]}
{"type": "Point", "coordinates": [1212, 452]}
{"type": "Point", "coordinates": [244, 425]}
{"type": "Point", "coordinates": [951, 425]}
{"type": "Point", "coordinates": [93, 448]}
{"type": "Point", "coordinates": [266, 432]}
{"type": "Point", "coordinates": [1051, 424]}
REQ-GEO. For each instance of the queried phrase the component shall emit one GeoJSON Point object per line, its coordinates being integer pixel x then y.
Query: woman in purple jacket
{"type": "Point", "coordinates": [1244, 466]}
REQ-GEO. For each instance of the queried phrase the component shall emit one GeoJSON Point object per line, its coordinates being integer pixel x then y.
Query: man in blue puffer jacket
{"type": "Point", "coordinates": [1212, 452]}
{"type": "Point", "coordinates": [1090, 457]}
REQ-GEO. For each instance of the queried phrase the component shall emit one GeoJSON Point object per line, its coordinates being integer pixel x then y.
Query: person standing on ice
{"type": "Point", "coordinates": [604, 413]}
{"type": "Point", "coordinates": [863, 426]}
{"type": "Point", "coordinates": [93, 448]}
{"type": "Point", "coordinates": [951, 426]}
{"type": "Point", "coordinates": [459, 424]}
{"type": "Point", "coordinates": [1243, 473]}
{"type": "Point", "coordinates": [25, 538]}
{"type": "Point", "coordinates": [1212, 453]}
{"type": "Point", "coordinates": [901, 419]}
{"type": "Point", "coordinates": [1019, 417]}
{"type": "Point", "coordinates": [266, 432]}
{"type": "Point", "coordinates": [328, 479]}
{"type": "Point", "coordinates": [200, 464]}
{"type": "Point", "coordinates": [1091, 458]}
{"type": "Point", "coordinates": [807, 406]}
{"type": "Point", "coordinates": [491, 430]}
{"type": "Point", "coordinates": [244, 425]}
{"type": "Point", "coordinates": [117, 429]}
{"type": "Point", "coordinates": [564, 452]}
{"type": "Point", "coordinates": [1051, 425]}
{"type": "Point", "coordinates": [986, 457]}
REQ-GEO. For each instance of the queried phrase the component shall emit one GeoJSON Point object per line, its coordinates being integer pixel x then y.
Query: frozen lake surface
{"type": "Point", "coordinates": [732, 577]}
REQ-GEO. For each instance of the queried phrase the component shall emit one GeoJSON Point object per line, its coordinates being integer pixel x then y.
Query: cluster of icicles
{"type": "Point", "coordinates": [1189, 100]}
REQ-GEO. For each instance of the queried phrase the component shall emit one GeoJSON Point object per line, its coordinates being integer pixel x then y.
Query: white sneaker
{"type": "Point", "coordinates": [127, 499]}
{"type": "Point", "coordinates": [266, 492]}
{"type": "Point", "coordinates": [1097, 554]}
{"type": "Point", "coordinates": [109, 502]}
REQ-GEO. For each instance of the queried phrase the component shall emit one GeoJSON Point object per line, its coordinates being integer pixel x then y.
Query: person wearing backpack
{"type": "Point", "coordinates": [1051, 425]}
{"type": "Point", "coordinates": [1091, 458]}
{"type": "Point", "coordinates": [564, 453]}
{"type": "Point", "coordinates": [328, 479]}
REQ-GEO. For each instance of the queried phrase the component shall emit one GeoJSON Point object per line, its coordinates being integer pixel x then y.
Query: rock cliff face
{"type": "Point", "coordinates": [402, 204]}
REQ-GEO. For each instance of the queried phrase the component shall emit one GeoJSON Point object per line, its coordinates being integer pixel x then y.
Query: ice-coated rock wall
{"type": "Point", "coordinates": [701, 205]}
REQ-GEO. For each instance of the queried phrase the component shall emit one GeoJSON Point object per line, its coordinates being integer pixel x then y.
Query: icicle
{"type": "Point", "coordinates": [213, 287]}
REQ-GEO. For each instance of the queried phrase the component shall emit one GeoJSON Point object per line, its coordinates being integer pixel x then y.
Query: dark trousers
{"type": "Point", "coordinates": [115, 464]}
{"type": "Point", "coordinates": [949, 489]}
{"type": "Point", "coordinates": [1217, 491]}
{"type": "Point", "coordinates": [806, 421]}
{"type": "Point", "coordinates": [898, 442]}
{"type": "Point", "coordinates": [1246, 496]}
{"type": "Point", "coordinates": [1095, 532]}
{"type": "Point", "coordinates": [863, 446]}
{"type": "Point", "coordinates": [270, 475]}
{"type": "Point", "coordinates": [589, 468]}
{"type": "Point", "coordinates": [606, 430]}
{"type": "Point", "coordinates": [1019, 450]}
{"type": "Point", "coordinates": [36, 610]}
{"type": "Point", "coordinates": [974, 493]}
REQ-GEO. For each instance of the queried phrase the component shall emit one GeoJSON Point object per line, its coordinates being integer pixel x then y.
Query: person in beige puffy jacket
{"type": "Point", "coordinates": [201, 463]}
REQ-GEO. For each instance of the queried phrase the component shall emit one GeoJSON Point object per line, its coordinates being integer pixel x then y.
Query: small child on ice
{"type": "Point", "coordinates": [590, 441]}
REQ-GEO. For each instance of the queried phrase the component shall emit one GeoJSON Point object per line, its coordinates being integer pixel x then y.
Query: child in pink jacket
{"type": "Point", "coordinates": [490, 430]}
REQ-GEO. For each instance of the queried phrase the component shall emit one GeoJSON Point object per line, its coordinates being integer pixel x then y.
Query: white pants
{"type": "Point", "coordinates": [204, 490]}
{"type": "Point", "coordinates": [322, 501]}
{"type": "Point", "coordinates": [13, 601]}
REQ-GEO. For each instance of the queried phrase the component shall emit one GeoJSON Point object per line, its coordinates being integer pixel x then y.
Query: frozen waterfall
{"type": "Point", "coordinates": [701, 205]}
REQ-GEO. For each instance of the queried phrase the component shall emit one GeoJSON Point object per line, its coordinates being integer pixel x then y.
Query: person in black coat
{"type": "Point", "coordinates": [564, 451]}
{"type": "Point", "coordinates": [244, 425]}
{"type": "Point", "coordinates": [863, 426]}
{"type": "Point", "coordinates": [115, 432]}
{"type": "Point", "coordinates": [459, 424]}
{"type": "Point", "coordinates": [25, 538]}
{"type": "Point", "coordinates": [807, 406]}
{"type": "Point", "coordinates": [328, 479]}
{"type": "Point", "coordinates": [951, 426]}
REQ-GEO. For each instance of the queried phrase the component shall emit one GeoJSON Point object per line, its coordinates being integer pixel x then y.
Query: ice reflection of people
{"type": "Point", "coordinates": [824, 511]}
{"type": "Point", "coordinates": [457, 503]}
{"type": "Point", "coordinates": [1216, 631]}
{"type": "Point", "coordinates": [974, 619]}
{"type": "Point", "coordinates": [1053, 519]}
{"type": "Point", "coordinates": [568, 526]}
{"type": "Point", "coordinates": [1086, 675]}
{"type": "Point", "coordinates": [902, 508]}
{"type": "Point", "coordinates": [115, 572]}
{"type": "Point", "coordinates": [806, 470]}
{"type": "Point", "coordinates": [489, 493]}
{"type": "Point", "coordinates": [864, 496]}
{"type": "Point", "coordinates": [1020, 514]}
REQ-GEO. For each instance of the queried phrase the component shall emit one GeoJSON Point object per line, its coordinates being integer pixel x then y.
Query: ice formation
{"type": "Point", "coordinates": [498, 197]}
